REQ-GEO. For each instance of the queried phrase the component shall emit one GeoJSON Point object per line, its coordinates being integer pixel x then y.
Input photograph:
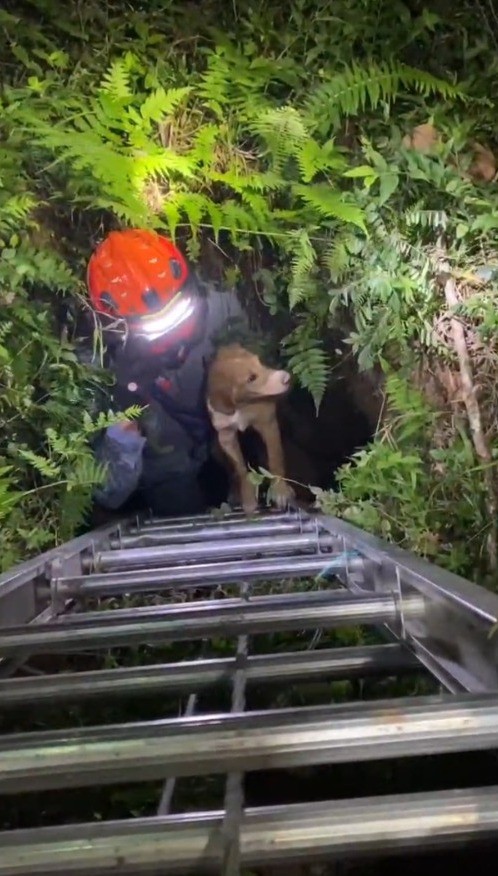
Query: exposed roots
{"type": "Point", "coordinates": [470, 353]}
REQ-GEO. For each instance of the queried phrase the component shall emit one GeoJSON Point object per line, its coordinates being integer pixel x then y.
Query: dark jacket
{"type": "Point", "coordinates": [176, 424]}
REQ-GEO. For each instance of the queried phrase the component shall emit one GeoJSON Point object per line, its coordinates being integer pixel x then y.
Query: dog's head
{"type": "Point", "coordinates": [238, 377]}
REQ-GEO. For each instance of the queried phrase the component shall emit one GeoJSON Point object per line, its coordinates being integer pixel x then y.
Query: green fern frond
{"type": "Point", "coordinates": [8, 496]}
{"type": "Point", "coordinates": [86, 474]}
{"type": "Point", "coordinates": [337, 258]}
{"type": "Point", "coordinates": [53, 270]}
{"type": "Point", "coordinates": [104, 113]}
{"type": "Point", "coordinates": [161, 162]}
{"type": "Point", "coordinates": [131, 210]}
{"type": "Point", "coordinates": [105, 419]}
{"type": "Point", "coordinates": [426, 84]}
{"type": "Point", "coordinates": [40, 266]}
{"type": "Point", "coordinates": [161, 103]}
{"type": "Point", "coordinates": [307, 361]}
{"type": "Point", "coordinates": [202, 150]}
{"type": "Point", "coordinates": [366, 85]}
{"type": "Point", "coordinates": [427, 218]}
{"type": "Point", "coordinates": [195, 207]}
{"type": "Point", "coordinates": [331, 203]}
{"type": "Point", "coordinates": [282, 130]}
{"type": "Point", "coordinates": [46, 467]}
{"type": "Point", "coordinates": [266, 181]}
{"type": "Point", "coordinates": [117, 80]}
{"type": "Point", "coordinates": [236, 218]}
{"type": "Point", "coordinates": [314, 158]}
{"type": "Point", "coordinates": [216, 217]}
{"type": "Point", "coordinates": [406, 401]}
{"type": "Point", "coordinates": [16, 209]}
{"type": "Point", "coordinates": [74, 507]}
{"type": "Point", "coordinates": [303, 261]}
{"type": "Point", "coordinates": [213, 88]}
{"type": "Point", "coordinates": [192, 205]}
{"type": "Point", "coordinates": [259, 207]}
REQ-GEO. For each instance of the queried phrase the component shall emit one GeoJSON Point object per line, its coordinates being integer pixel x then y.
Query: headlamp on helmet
{"type": "Point", "coordinates": [174, 315]}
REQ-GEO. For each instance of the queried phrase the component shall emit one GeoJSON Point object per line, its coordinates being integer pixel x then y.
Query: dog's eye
{"type": "Point", "coordinates": [252, 378]}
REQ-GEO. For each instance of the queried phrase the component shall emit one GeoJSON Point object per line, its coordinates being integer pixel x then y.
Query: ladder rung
{"type": "Point", "coordinates": [148, 538]}
{"type": "Point", "coordinates": [216, 514]}
{"type": "Point", "coordinates": [265, 614]}
{"type": "Point", "coordinates": [196, 675]}
{"type": "Point", "coordinates": [270, 835]}
{"type": "Point", "coordinates": [206, 550]}
{"type": "Point", "coordinates": [206, 575]}
{"type": "Point", "coordinates": [274, 739]}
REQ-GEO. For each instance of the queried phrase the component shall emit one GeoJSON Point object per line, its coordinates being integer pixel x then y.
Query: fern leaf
{"type": "Point", "coordinates": [337, 258]}
{"type": "Point", "coordinates": [215, 217]}
{"type": "Point", "coordinates": [41, 464]}
{"type": "Point", "coordinates": [75, 505]}
{"type": "Point", "coordinates": [314, 158]}
{"type": "Point", "coordinates": [426, 84]}
{"type": "Point", "coordinates": [194, 205]}
{"type": "Point", "coordinates": [361, 86]}
{"type": "Point", "coordinates": [259, 207]}
{"type": "Point", "coordinates": [117, 80]}
{"type": "Point", "coordinates": [16, 209]}
{"type": "Point", "coordinates": [162, 162]}
{"type": "Point", "coordinates": [172, 214]}
{"type": "Point", "coordinates": [161, 103]}
{"type": "Point", "coordinates": [307, 361]}
{"type": "Point", "coordinates": [427, 218]}
{"type": "Point", "coordinates": [236, 218]}
{"type": "Point", "coordinates": [331, 203]}
{"type": "Point", "coordinates": [132, 211]}
{"type": "Point", "coordinates": [266, 181]}
{"type": "Point", "coordinates": [283, 130]}
{"type": "Point", "coordinates": [53, 271]}
{"type": "Point", "coordinates": [202, 151]}
{"type": "Point", "coordinates": [303, 261]}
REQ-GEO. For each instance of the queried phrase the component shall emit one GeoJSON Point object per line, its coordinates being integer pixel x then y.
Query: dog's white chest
{"type": "Point", "coordinates": [221, 421]}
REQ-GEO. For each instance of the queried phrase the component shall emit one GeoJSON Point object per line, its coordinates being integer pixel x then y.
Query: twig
{"type": "Point", "coordinates": [469, 394]}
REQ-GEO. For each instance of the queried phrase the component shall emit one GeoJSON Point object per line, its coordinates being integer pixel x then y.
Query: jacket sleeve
{"type": "Point", "coordinates": [121, 452]}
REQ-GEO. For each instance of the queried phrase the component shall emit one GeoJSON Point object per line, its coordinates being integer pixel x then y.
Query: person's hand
{"type": "Point", "coordinates": [126, 432]}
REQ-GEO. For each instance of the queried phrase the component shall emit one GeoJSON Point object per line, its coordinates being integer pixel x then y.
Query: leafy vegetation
{"type": "Point", "coordinates": [344, 153]}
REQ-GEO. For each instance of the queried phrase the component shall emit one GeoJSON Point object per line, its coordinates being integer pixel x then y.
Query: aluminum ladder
{"type": "Point", "coordinates": [430, 619]}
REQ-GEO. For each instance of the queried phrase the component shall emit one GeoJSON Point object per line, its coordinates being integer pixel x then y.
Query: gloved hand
{"type": "Point", "coordinates": [126, 434]}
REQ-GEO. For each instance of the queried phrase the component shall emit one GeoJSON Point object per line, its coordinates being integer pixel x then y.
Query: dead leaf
{"type": "Point", "coordinates": [483, 167]}
{"type": "Point", "coordinates": [423, 138]}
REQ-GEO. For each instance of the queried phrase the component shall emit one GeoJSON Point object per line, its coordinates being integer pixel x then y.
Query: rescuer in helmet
{"type": "Point", "coordinates": [160, 327]}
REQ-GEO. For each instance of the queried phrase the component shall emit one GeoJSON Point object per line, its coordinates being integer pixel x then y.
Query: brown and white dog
{"type": "Point", "coordinates": [243, 393]}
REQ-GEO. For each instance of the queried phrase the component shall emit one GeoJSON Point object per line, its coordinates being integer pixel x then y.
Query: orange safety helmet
{"type": "Point", "coordinates": [143, 278]}
{"type": "Point", "coordinates": [135, 273]}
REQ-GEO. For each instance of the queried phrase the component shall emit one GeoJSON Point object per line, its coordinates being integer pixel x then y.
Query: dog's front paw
{"type": "Point", "coordinates": [281, 494]}
{"type": "Point", "coordinates": [249, 498]}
